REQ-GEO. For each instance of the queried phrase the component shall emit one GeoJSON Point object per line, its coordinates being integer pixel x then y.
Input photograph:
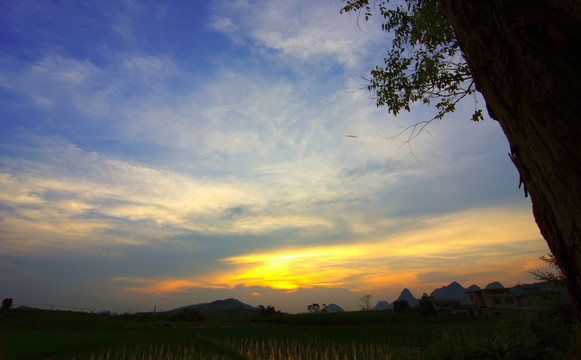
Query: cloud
{"type": "Point", "coordinates": [140, 66]}
{"type": "Point", "coordinates": [476, 242]}
{"type": "Point", "coordinates": [226, 26]}
{"type": "Point", "coordinates": [183, 170]}
{"type": "Point", "coordinates": [301, 30]}
{"type": "Point", "coordinates": [82, 92]}
{"type": "Point", "coordinates": [63, 194]}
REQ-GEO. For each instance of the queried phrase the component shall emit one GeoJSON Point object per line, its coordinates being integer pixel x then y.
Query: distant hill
{"type": "Point", "coordinates": [332, 308]}
{"type": "Point", "coordinates": [407, 296]}
{"type": "Point", "coordinates": [494, 285]}
{"type": "Point", "coordinates": [473, 288]}
{"type": "Point", "coordinates": [221, 308]}
{"type": "Point", "coordinates": [383, 305]}
{"type": "Point", "coordinates": [454, 291]}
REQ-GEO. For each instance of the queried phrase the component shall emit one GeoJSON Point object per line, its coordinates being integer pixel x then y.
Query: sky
{"type": "Point", "coordinates": [166, 153]}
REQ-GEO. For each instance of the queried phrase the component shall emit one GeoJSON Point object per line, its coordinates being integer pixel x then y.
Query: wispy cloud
{"type": "Point", "coordinates": [301, 30]}
{"type": "Point", "coordinates": [484, 237]}
{"type": "Point", "coordinates": [180, 161]}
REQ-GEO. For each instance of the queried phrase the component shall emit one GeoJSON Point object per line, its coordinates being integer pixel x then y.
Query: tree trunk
{"type": "Point", "coordinates": [525, 59]}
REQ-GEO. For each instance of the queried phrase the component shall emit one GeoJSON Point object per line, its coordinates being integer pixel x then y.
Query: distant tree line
{"type": "Point", "coordinates": [426, 306]}
{"type": "Point", "coordinates": [315, 308]}
{"type": "Point", "coordinates": [267, 311]}
{"type": "Point", "coordinates": [7, 303]}
{"type": "Point", "coordinates": [185, 315]}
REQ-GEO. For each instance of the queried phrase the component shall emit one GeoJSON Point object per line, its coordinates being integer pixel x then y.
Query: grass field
{"type": "Point", "coordinates": [35, 334]}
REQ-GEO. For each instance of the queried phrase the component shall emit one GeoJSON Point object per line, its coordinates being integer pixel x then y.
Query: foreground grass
{"type": "Point", "coordinates": [34, 334]}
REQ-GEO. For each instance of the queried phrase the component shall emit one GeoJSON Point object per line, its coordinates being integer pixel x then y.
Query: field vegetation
{"type": "Point", "coordinates": [43, 334]}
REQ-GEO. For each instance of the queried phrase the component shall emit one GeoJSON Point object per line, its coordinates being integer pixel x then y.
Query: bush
{"type": "Point", "coordinates": [186, 315]}
{"type": "Point", "coordinates": [7, 303]}
{"type": "Point", "coordinates": [528, 337]}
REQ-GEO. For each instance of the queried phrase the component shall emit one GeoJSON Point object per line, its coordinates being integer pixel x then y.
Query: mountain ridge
{"type": "Point", "coordinates": [220, 308]}
{"type": "Point", "coordinates": [454, 291]}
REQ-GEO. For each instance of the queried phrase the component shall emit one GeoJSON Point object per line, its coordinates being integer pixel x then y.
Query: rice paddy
{"type": "Point", "coordinates": [390, 336]}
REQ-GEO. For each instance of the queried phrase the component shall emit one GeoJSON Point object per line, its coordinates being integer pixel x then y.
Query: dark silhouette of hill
{"type": "Point", "coordinates": [473, 288]}
{"type": "Point", "coordinates": [383, 305]}
{"type": "Point", "coordinates": [494, 285]}
{"type": "Point", "coordinates": [407, 296]}
{"type": "Point", "coordinates": [454, 291]}
{"type": "Point", "coordinates": [332, 308]}
{"type": "Point", "coordinates": [220, 308]}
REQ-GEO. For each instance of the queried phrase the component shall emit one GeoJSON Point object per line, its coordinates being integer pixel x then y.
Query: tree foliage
{"type": "Point", "coordinates": [314, 308]}
{"type": "Point", "coordinates": [267, 311]}
{"type": "Point", "coordinates": [401, 306]}
{"type": "Point", "coordinates": [424, 63]}
{"type": "Point", "coordinates": [523, 57]}
{"type": "Point", "coordinates": [426, 305]}
{"type": "Point", "coordinates": [557, 278]}
{"type": "Point", "coordinates": [7, 303]}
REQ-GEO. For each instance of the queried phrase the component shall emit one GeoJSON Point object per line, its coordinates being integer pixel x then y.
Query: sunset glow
{"type": "Point", "coordinates": [172, 153]}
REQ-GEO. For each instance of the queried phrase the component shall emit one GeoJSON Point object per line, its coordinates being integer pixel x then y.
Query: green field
{"type": "Point", "coordinates": [37, 334]}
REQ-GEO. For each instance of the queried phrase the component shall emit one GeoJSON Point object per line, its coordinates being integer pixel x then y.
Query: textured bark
{"type": "Point", "coordinates": [524, 57]}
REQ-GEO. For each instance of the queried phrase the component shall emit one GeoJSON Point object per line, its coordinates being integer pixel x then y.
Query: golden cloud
{"type": "Point", "coordinates": [480, 242]}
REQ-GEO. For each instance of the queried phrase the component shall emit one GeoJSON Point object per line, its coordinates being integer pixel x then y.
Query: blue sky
{"type": "Point", "coordinates": [170, 153]}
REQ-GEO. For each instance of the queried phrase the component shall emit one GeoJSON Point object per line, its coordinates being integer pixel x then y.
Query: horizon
{"type": "Point", "coordinates": [156, 309]}
{"type": "Point", "coordinates": [168, 153]}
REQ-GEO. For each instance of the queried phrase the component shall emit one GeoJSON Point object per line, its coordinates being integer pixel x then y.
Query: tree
{"type": "Point", "coordinates": [557, 278]}
{"type": "Point", "coordinates": [267, 311]}
{"type": "Point", "coordinates": [365, 302]}
{"type": "Point", "coordinates": [426, 305]}
{"type": "Point", "coordinates": [522, 56]}
{"type": "Point", "coordinates": [401, 306]}
{"type": "Point", "coordinates": [313, 308]}
{"type": "Point", "coordinates": [7, 303]}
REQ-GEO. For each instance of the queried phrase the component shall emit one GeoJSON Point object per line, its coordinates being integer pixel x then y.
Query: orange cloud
{"type": "Point", "coordinates": [159, 287]}
{"type": "Point", "coordinates": [480, 243]}
{"type": "Point", "coordinates": [477, 241]}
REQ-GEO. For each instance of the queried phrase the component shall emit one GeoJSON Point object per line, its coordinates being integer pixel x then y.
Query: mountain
{"type": "Point", "coordinates": [221, 308]}
{"type": "Point", "coordinates": [473, 288]}
{"type": "Point", "coordinates": [332, 308]}
{"type": "Point", "coordinates": [454, 291]}
{"type": "Point", "coordinates": [494, 285]}
{"type": "Point", "coordinates": [407, 296]}
{"type": "Point", "coordinates": [383, 305]}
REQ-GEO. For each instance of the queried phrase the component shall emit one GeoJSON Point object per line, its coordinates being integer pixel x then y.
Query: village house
{"type": "Point", "coordinates": [506, 300]}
